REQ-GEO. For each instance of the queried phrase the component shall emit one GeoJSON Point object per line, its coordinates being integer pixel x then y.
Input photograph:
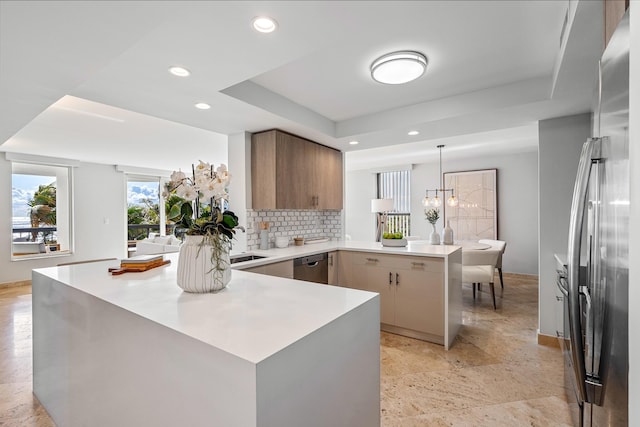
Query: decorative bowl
{"type": "Point", "coordinates": [394, 242]}
{"type": "Point", "coordinates": [282, 242]}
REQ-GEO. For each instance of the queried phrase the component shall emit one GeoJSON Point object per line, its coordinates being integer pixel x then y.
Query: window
{"type": "Point", "coordinates": [143, 206]}
{"type": "Point", "coordinates": [396, 185]}
{"type": "Point", "coordinates": [41, 210]}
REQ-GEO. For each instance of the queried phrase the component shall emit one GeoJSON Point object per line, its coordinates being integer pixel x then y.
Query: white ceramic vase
{"type": "Point", "coordinates": [197, 271]}
{"type": "Point", "coordinates": [447, 235]}
{"type": "Point", "coordinates": [434, 237]}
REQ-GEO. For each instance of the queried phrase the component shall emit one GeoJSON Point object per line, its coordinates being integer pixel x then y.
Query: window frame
{"type": "Point", "coordinates": [133, 177]}
{"type": "Point", "coordinates": [395, 216]}
{"type": "Point", "coordinates": [20, 165]}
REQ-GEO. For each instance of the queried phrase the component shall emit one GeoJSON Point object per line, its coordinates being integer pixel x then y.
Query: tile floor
{"type": "Point", "coordinates": [494, 375]}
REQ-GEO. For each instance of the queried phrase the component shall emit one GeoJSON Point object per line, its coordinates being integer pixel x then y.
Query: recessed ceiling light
{"type": "Point", "coordinates": [179, 71]}
{"type": "Point", "coordinates": [413, 133]}
{"type": "Point", "coordinates": [354, 142]}
{"type": "Point", "coordinates": [264, 24]}
{"type": "Point", "coordinates": [202, 106]}
{"type": "Point", "coordinates": [398, 67]}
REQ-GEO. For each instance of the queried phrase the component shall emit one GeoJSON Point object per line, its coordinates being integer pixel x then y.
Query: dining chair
{"type": "Point", "coordinates": [497, 244]}
{"type": "Point", "coordinates": [478, 267]}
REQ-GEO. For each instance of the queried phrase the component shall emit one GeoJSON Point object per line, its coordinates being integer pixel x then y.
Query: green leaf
{"type": "Point", "coordinates": [187, 210]}
{"type": "Point", "coordinates": [174, 212]}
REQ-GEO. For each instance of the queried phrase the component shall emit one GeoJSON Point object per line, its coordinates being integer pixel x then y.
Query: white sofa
{"type": "Point", "coordinates": [26, 248]}
{"type": "Point", "coordinates": [157, 245]}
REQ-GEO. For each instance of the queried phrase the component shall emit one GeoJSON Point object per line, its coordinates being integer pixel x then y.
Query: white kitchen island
{"type": "Point", "coordinates": [134, 350]}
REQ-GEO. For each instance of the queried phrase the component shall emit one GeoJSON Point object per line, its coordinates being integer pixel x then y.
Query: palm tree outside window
{"type": "Point", "coordinates": [41, 210]}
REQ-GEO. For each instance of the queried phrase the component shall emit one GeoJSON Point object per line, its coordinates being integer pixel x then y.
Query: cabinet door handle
{"type": "Point", "coordinates": [373, 260]}
{"type": "Point", "coordinates": [417, 264]}
{"type": "Point", "coordinates": [397, 279]}
{"type": "Point", "coordinates": [331, 260]}
{"type": "Point", "coordinates": [390, 278]}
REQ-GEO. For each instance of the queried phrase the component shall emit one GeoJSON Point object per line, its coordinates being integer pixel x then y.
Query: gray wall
{"type": "Point", "coordinates": [517, 203]}
{"type": "Point", "coordinates": [560, 143]}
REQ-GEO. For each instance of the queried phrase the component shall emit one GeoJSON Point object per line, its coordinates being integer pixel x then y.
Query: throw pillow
{"type": "Point", "coordinates": [163, 240]}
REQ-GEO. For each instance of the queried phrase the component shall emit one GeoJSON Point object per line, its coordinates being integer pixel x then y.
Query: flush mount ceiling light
{"type": "Point", "coordinates": [398, 67]}
{"type": "Point", "coordinates": [202, 106]}
{"type": "Point", "coordinates": [179, 71]}
{"type": "Point", "coordinates": [354, 142]}
{"type": "Point", "coordinates": [413, 133]}
{"type": "Point", "coordinates": [264, 24]}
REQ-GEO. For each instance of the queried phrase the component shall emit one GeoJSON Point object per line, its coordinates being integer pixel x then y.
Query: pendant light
{"type": "Point", "coordinates": [436, 201]}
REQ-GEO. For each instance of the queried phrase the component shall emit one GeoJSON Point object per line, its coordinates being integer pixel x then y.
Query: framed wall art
{"type": "Point", "coordinates": [476, 214]}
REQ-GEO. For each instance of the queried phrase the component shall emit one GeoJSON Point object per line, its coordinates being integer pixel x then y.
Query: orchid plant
{"type": "Point", "coordinates": [205, 185]}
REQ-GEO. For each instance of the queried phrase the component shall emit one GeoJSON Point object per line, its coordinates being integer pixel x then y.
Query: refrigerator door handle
{"type": "Point", "coordinates": [576, 220]}
{"type": "Point", "coordinates": [584, 291]}
{"type": "Point", "coordinates": [596, 289]}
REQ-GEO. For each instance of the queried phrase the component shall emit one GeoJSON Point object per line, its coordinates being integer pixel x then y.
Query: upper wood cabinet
{"type": "Point", "coordinates": [289, 172]}
{"type": "Point", "coordinates": [614, 10]}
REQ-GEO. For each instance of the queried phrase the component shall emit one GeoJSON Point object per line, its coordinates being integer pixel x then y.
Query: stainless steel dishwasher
{"type": "Point", "coordinates": [312, 268]}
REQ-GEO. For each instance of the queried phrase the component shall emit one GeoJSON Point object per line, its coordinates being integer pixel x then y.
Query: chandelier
{"type": "Point", "coordinates": [436, 201]}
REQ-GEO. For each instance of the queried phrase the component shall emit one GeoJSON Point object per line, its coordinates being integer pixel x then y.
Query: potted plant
{"type": "Point", "coordinates": [203, 262]}
{"type": "Point", "coordinates": [432, 216]}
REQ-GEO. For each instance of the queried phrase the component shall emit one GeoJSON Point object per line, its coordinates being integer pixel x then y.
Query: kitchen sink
{"type": "Point", "coordinates": [243, 258]}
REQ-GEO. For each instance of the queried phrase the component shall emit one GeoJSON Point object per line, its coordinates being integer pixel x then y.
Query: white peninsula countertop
{"type": "Point", "coordinates": [237, 357]}
{"type": "Point", "coordinates": [414, 248]}
{"type": "Point", "coordinates": [418, 298]}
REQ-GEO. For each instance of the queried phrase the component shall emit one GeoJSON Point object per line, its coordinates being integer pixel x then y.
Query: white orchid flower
{"type": "Point", "coordinates": [203, 168]}
{"type": "Point", "coordinates": [227, 178]}
{"type": "Point", "coordinates": [177, 176]}
{"type": "Point", "coordinates": [187, 192]}
{"type": "Point", "coordinates": [222, 168]}
{"type": "Point", "coordinates": [202, 181]}
{"type": "Point", "coordinates": [206, 195]}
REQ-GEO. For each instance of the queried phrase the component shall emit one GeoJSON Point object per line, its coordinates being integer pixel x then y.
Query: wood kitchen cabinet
{"type": "Point", "coordinates": [332, 267]}
{"type": "Point", "coordinates": [277, 269]}
{"type": "Point", "coordinates": [289, 172]}
{"type": "Point", "coordinates": [411, 290]}
{"type": "Point", "coordinates": [614, 10]}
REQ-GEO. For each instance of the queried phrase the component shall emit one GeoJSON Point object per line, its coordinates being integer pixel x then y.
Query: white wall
{"type": "Point", "coordinates": [517, 203]}
{"type": "Point", "coordinates": [359, 189]}
{"type": "Point", "coordinates": [560, 143]}
{"type": "Point", "coordinates": [634, 229]}
{"type": "Point", "coordinates": [239, 149]}
{"type": "Point", "coordinates": [99, 220]}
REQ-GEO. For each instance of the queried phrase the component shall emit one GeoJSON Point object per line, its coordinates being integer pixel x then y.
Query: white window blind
{"type": "Point", "coordinates": [396, 185]}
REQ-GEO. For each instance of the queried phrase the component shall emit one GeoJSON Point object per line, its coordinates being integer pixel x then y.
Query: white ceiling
{"type": "Point", "coordinates": [492, 65]}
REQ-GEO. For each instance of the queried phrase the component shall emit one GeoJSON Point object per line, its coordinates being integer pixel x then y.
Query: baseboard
{"type": "Point", "coordinates": [548, 340]}
{"type": "Point", "coordinates": [15, 284]}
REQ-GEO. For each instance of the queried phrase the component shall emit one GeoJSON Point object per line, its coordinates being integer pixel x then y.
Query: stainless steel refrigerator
{"type": "Point", "coordinates": [596, 281]}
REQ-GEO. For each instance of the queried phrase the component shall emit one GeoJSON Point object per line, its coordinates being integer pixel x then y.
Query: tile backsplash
{"type": "Point", "coordinates": [293, 223]}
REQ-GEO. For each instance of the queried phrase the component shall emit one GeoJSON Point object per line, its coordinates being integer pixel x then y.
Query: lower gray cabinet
{"type": "Point", "coordinates": [411, 290]}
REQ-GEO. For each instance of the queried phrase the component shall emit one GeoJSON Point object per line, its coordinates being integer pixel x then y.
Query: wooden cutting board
{"type": "Point", "coordinates": [115, 271]}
